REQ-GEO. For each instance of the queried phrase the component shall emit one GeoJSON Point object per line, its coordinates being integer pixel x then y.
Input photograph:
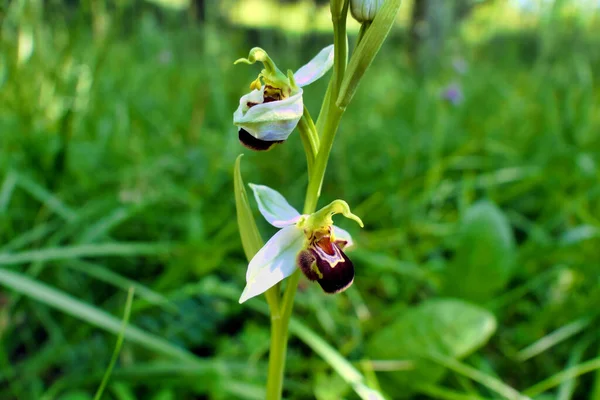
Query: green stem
{"type": "Point", "coordinates": [340, 41]}
{"type": "Point", "coordinates": [277, 352]}
{"type": "Point", "coordinates": [310, 139]}
{"type": "Point", "coordinates": [280, 325]}
{"type": "Point", "coordinates": [363, 29]}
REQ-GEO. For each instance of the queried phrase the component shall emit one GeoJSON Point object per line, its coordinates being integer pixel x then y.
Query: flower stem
{"type": "Point", "coordinates": [310, 139]}
{"type": "Point", "coordinates": [280, 322]}
{"type": "Point", "coordinates": [277, 352]}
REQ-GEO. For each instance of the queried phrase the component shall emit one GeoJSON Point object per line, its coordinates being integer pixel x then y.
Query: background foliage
{"type": "Point", "coordinates": [471, 153]}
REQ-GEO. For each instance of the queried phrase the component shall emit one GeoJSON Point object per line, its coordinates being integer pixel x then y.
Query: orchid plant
{"type": "Point", "coordinates": [307, 243]}
{"type": "Point", "coordinates": [310, 242]}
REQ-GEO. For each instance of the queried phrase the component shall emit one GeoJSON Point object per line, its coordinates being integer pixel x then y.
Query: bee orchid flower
{"type": "Point", "coordinates": [270, 112]}
{"type": "Point", "coordinates": [309, 242]}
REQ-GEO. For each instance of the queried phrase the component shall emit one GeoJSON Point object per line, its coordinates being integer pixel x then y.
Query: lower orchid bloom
{"type": "Point", "coordinates": [309, 242]}
{"type": "Point", "coordinates": [270, 112]}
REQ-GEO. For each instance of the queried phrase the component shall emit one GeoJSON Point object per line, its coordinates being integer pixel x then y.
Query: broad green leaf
{"type": "Point", "coordinates": [449, 327]}
{"type": "Point", "coordinates": [485, 256]}
{"type": "Point", "coordinates": [366, 50]}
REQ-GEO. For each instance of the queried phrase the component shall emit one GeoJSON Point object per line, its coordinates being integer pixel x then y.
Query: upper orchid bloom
{"type": "Point", "coordinates": [270, 112]}
{"type": "Point", "coordinates": [310, 242]}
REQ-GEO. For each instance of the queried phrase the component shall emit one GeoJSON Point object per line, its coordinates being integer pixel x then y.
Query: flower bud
{"type": "Point", "coordinates": [365, 10]}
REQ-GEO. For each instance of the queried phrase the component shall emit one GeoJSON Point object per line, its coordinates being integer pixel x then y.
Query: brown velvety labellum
{"type": "Point", "coordinates": [306, 262]}
{"type": "Point", "coordinates": [326, 263]}
{"type": "Point", "coordinates": [253, 143]}
{"type": "Point", "coordinates": [336, 278]}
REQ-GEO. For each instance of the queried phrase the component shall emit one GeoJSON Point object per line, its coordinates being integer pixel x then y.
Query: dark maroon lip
{"type": "Point", "coordinates": [327, 264]}
{"type": "Point", "coordinates": [253, 143]}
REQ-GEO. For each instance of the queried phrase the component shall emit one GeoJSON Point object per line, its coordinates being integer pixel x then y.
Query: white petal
{"type": "Point", "coordinates": [274, 207]}
{"type": "Point", "coordinates": [274, 262]}
{"type": "Point", "coordinates": [316, 68]}
{"type": "Point", "coordinates": [269, 121]}
{"type": "Point", "coordinates": [342, 234]}
{"type": "Point", "coordinates": [255, 96]}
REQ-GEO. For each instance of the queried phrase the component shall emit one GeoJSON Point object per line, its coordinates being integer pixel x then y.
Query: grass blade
{"type": "Point", "coordinates": [87, 250]}
{"type": "Point", "coordinates": [488, 381]}
{"type": "Point", "coordinates": [339, 364]}
{"type": "Point", "coordinates": [118, 345]}
{"type": "Point", "coordinates": [6, 191]}
{"type": "Point", "coordinates": [438, 392]}
{"type": "Point", "coordinates": [106, 275]}
{"type": "Point", "coordinates": [48, 199]}
{"type": "Point", "coordinates": [70, 305]}
{"type": "Point", "coordinates": [561, 334]}
{"type": "Point", "coordinates": [567, 387]}
{"type": "Point", "coordinates": [25, 239]}
{"type": "Point", "coordinates": [562, 376]}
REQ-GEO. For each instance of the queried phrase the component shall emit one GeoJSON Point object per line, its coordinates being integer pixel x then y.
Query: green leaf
{"type": "Point", "coordinates": [366, 50]}
{"type": "Point", "coordinates": [449, 327]}
{"type": "Point", "coordinates": [251, 239]}
{"type": "Point", "coordinates": [484, 259]}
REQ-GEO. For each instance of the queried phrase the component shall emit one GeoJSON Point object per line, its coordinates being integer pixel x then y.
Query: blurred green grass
{"type": "Point", "coordinates": [116, 157]}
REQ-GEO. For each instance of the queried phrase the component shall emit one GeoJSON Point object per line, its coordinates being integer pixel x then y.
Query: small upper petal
{"type": "Point", "coordinates": [342, 234]}
{"type": "Point", "coordinates": [274, 207]}
{"type": "Point", "coordinates": [316, 68]}
{"type": "Point", "coordinates": [274, 262]}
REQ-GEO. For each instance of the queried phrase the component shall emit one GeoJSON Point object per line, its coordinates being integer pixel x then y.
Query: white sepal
{"type": "Point", "coordinates": [274, 262]}
{"type": "Point", "coordinates": [269, 121]}
{"type": "Point", "coordinates": [315, 68]}
{"type": "Point", "coordinates": [274, 207]}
